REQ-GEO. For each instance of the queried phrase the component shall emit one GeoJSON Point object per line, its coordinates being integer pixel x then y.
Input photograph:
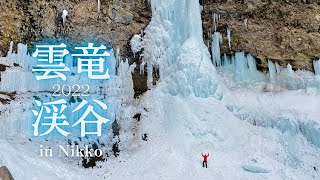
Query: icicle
{"type": "Point", "coordinates": [252, 64]}
{"type": "Point", "coordinates": [216, 18]}
{"type": "Point", "coordinates": [142, 68]}
{"type": "Point", "coordinates": [278, 68]}
{"type": "Point", "coordinates": [10, 49]}
{"type": "Point", "coordinates": [272, 71]}
{"type": "Point", "coordinates": [229, 37]}
{"type": "Point", "coordinates": [316, 67]}
{"type": "Point", "coordinates": [241, 66]}
{"type": "Point", "coordinates": [289, 69]}
{"type": "Point", "coordinates": [99, 6]}
{"type": "Point", "coordinates": [64, 16]}
{"type": "Point", "coordinates": [216, 56]}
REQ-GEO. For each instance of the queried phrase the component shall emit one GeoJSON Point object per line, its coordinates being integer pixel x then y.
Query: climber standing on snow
{"type": "Point", "coordinates": [205, 158]}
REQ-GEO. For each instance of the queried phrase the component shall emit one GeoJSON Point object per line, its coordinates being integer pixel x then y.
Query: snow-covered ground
{"type": "Point", "coordinates": [179, 130]}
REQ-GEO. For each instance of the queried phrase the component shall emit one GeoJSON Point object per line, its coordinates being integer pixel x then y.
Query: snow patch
{"type": "Point", "coordinates": [255, 169]}
{"type": "Point", "coordinates": [135, 43]}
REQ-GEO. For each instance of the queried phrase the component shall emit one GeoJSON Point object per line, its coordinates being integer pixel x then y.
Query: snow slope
{"type": "Point", "coordinates": [179, 129]}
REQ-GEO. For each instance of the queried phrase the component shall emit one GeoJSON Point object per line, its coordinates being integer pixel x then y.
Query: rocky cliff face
{"type": "Point", "coordinates": [283, 31]}
{"type": "Point", "coordinates": [40, 20]}
{"type": "Point", "coordinates": [113, 21]}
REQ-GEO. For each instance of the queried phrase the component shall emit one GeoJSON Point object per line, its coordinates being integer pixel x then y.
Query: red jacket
{"type": "Point", "coordinates": [205, 157]}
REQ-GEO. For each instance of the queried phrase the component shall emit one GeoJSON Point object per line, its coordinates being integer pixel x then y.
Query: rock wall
{"type": "Point", "coordinates": [283, 31]}
{"type": "Point", "coordinates": [34, 21]}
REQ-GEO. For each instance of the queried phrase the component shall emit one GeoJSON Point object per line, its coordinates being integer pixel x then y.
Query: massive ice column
{"type": "Point", "coordinates": [174, 43]}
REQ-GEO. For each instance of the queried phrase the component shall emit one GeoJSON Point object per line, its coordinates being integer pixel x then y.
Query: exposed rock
{"type": "Point", "coordinates": [40, 20]}
{"type": "Point", "coordinates": [5, 173]}
{"type": "Point", "coordinates": [284, 31]}
{"type": "Point", "coordinates": [36, 21]}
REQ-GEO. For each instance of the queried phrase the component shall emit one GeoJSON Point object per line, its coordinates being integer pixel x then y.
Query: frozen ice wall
{"type": "Point", "coordinates": [16, 116]}
{"type": "Point", "coordinates": [174, 44]}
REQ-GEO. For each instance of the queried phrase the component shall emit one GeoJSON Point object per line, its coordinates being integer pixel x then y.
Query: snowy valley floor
{"type": "Point", "coordinates": [181, 128]}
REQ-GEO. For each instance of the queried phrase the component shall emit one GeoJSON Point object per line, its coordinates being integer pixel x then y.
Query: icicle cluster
{"type": "Point", "coordinates": [243, 68]}
{"type": "Point", "coordinates": [216, 19]}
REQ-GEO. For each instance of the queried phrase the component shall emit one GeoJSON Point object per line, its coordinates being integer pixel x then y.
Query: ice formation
{"type": "Point", "coordinates": [64, 16]}
{"type": "Point", "coordinates": [272, 71]}
{"type": "Point", "coordinates": [99, 6]}
{"type": "Point", "coordinates": [25, 80]}
{"type": "Point", "coordinates": [21, 80]}
{"type": "Point", "coordinates": [174, 43]}
{"type": "Point", "coordinates": [216, 19]}
{"type": "Point", "coordinates": [316, 65]}
{"type": "Point", "coordinates": [229, 37]}
{"type": "Point", "coordinates": [242, 68]}
{"type": "Point", "coordinates": [216, 41]}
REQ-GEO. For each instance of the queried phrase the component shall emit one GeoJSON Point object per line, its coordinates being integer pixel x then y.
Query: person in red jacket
{"type": "Point", "coordinates": [205, 159]}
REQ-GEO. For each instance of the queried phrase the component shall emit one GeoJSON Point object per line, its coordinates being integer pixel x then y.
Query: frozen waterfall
{"type": "Point", "coordinates": [174, 43]}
